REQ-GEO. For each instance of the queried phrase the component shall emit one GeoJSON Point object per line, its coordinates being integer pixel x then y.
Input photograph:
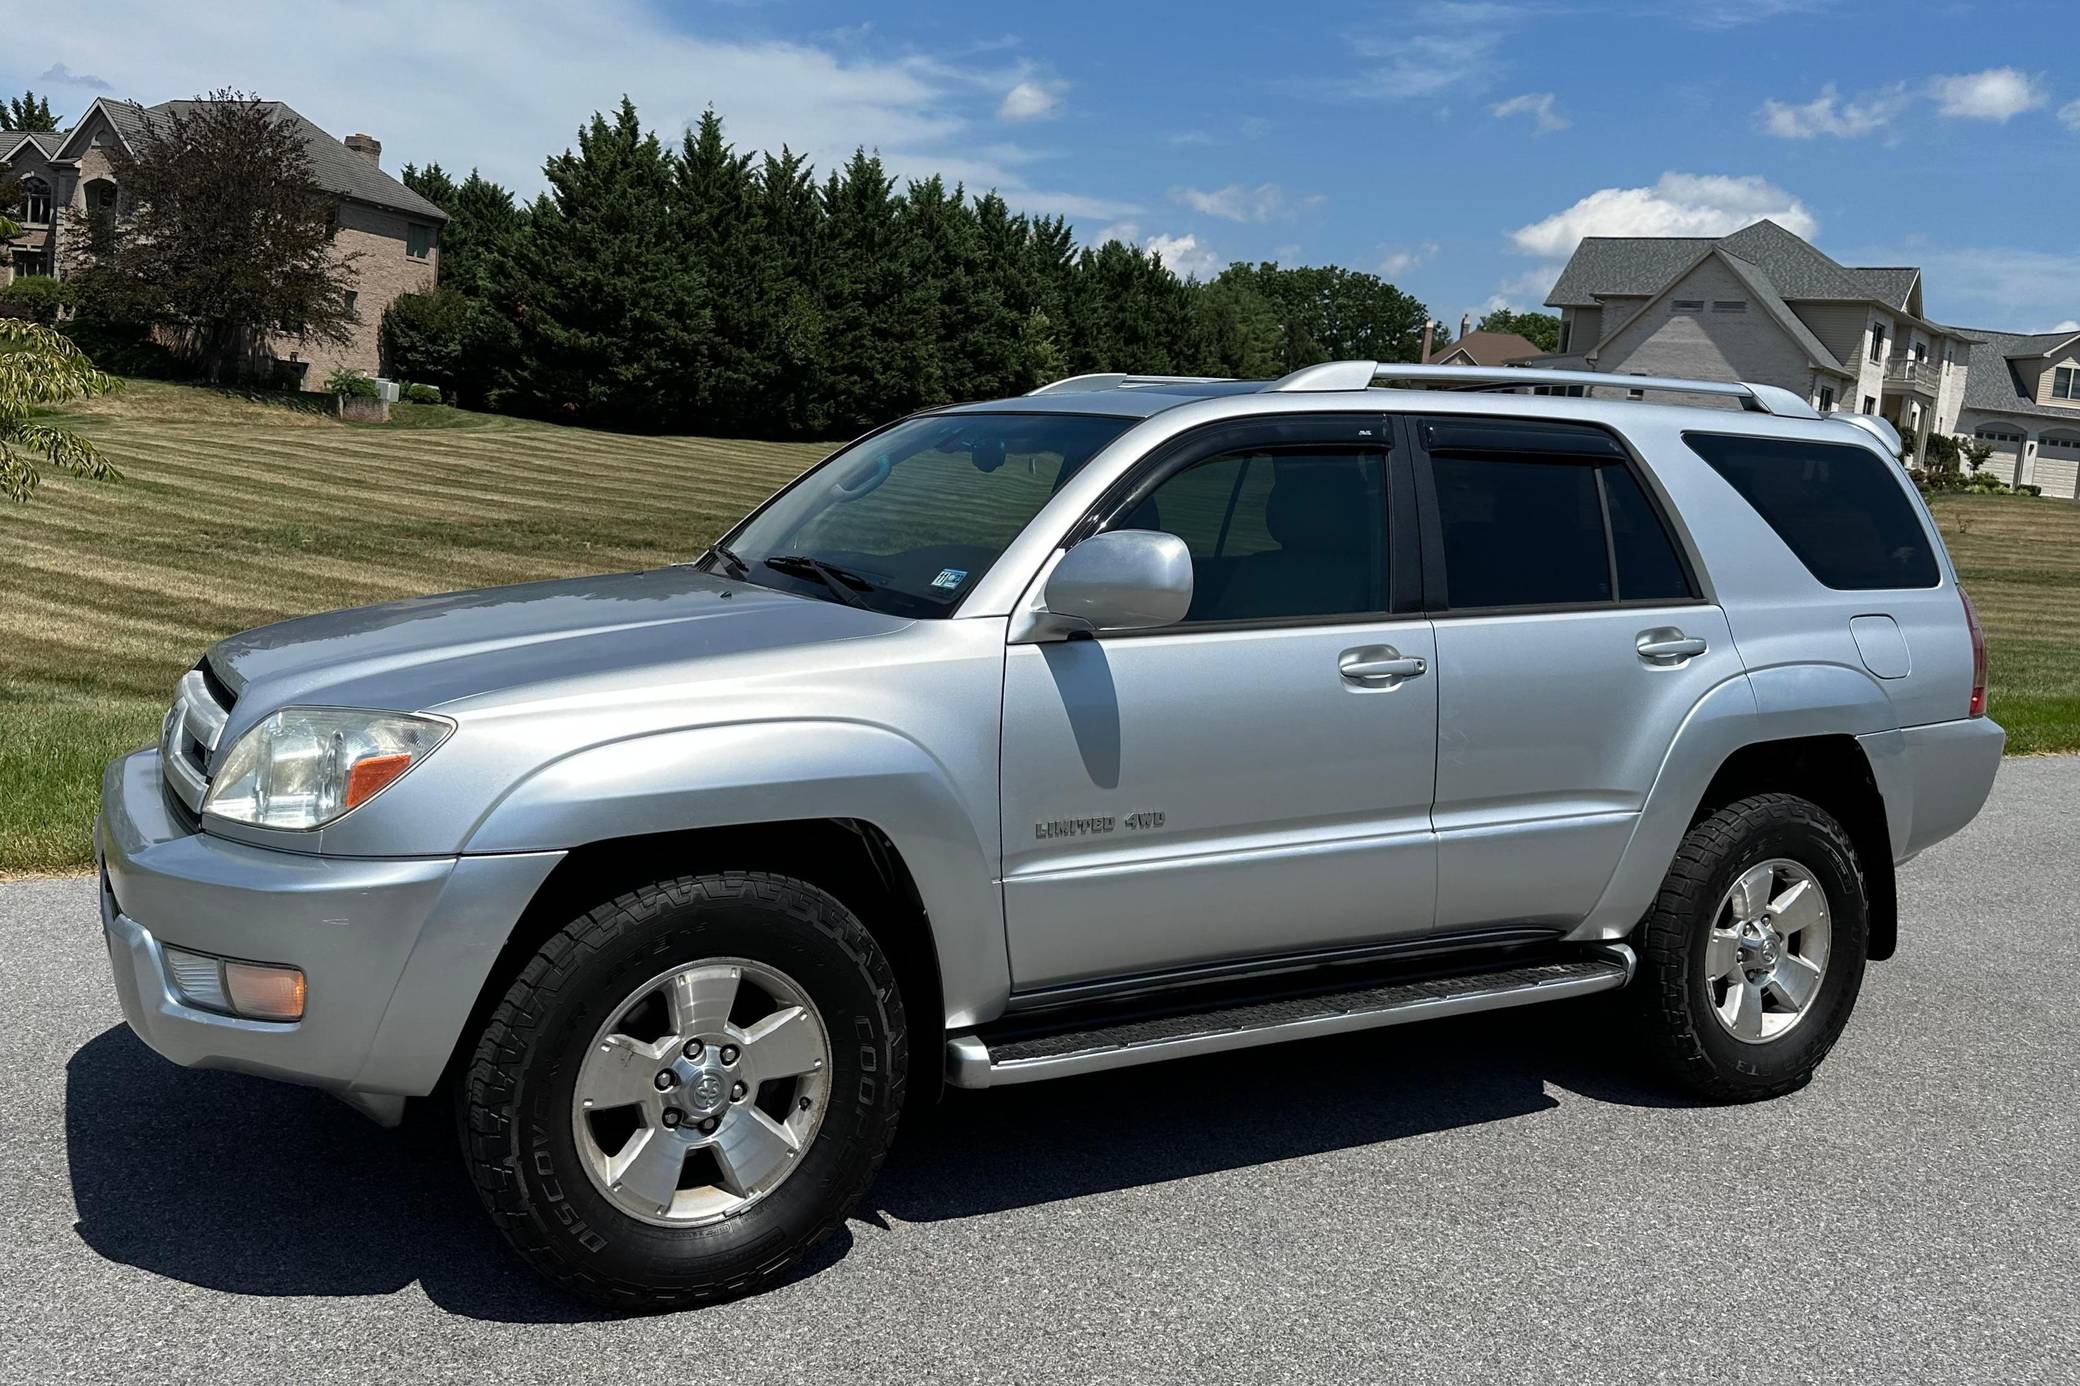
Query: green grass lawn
{"type": "Point", "coordinates": [235, 511]}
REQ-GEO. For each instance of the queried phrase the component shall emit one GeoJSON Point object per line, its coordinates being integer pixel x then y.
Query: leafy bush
{"type": "Point", "coordinates": [427, 337]}
{"type": "Point", "coordinates": [37, 297]}
{"type": "Point", "coordinates": [421, 394]}
{"type": "Point", "coordinates": [125, 348]}
{"type": "Point", "coordinates": [351, 385]}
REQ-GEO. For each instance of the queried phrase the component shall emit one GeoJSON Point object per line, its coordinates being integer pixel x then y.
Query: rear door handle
{"type": "Point", "coordinates": [1666, 645]}
{"type": "Point", "coordinates": [1369, 663]}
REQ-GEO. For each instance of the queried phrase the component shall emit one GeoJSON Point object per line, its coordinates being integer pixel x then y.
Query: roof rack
{"type": "Point", "coordinates": [1360, 375]}
{"type": "Point", "coordinates": [1083, 384]}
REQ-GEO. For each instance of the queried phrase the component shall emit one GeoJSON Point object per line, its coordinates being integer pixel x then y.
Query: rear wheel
{"type": "Point", "coordinates": [1753, 954]}
{"type": "Point", "coordinates": [686, 1089]}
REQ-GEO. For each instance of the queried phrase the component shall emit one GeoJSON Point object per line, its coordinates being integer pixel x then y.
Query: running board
{"type": "Point", "coordinates": [973, 1062]}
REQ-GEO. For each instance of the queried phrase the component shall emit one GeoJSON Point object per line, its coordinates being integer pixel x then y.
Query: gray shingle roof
{"type": "Point", "coordinates": [46, 141]}
{"type": "Point", "coordinates": [336, 168]}
{"type": "Point", "coordinates": [1992, 383]}
{"type": "Point", "coordinates": [1627, 265]}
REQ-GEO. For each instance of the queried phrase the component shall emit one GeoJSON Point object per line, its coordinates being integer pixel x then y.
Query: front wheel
{"type": "Point", "coordinates": [1752, 956]}
{"type": "Point", "coordinates": [686, 1089]}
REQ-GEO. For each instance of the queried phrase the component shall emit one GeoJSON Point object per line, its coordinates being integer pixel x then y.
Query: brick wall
{"type": "Point", "coordinates": [1709, 345]}
{"type": "Point", "coordinates": [383, 272]}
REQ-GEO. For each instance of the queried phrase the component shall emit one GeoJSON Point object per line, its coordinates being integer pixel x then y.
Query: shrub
{"type": "Point", "coordinates": [351, 385]}
{"type": "Point", "coordinates": [421, 394]}
{"type": "Point", "coordinates": [426, 337]}
{"type": "Point", "coordinates": [37, 297]}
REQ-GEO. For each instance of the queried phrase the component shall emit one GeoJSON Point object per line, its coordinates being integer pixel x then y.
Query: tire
{"type": "Point", "coordinates": [543, 1157]}
{"type": "Point", "coordinates": [1704, 1036]}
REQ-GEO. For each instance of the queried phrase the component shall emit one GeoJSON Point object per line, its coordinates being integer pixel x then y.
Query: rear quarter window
{"type": "Point", "coordinates": [1839, 507]}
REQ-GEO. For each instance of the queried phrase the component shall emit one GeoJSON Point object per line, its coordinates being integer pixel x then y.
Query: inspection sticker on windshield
{"type": "Point", "coordinates": [950, 578]}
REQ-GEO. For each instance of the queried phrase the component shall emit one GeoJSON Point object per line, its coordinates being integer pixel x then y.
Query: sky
{"type": "Point", "coordinates": [1460, 149]}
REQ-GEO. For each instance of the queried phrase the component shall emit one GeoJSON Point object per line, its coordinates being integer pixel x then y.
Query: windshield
{"type": "Point", "coordinates": [908, 521]}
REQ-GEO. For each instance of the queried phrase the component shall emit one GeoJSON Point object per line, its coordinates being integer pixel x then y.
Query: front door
{"type": "Point", "coordinates": [1254, 781]}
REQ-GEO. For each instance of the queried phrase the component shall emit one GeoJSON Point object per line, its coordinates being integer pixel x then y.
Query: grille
{"type": "Point", "coordinates": [188, 739]}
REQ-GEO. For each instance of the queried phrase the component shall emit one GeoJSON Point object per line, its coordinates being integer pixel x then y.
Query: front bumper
{"type": "Point", "coordinates": [396, 950]}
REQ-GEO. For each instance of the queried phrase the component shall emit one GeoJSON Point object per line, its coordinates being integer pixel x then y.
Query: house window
{"type": "Point", "coordinates": [1870, 404]}
{"type": "Point", "coordinates": [1999, 435]}
{"type": "Point", "coordinates": [353, 300]}
{"type": "Point", "coordinates": [1566, 333]}
{"type": "Point", "coordinates": [1688, 305]}
{"type": "Point", "coordinates": [418, 241]}
{"type": "Point", "coordinates": [1729, 305]}
{"type": "Point", "coordinates": [101, 196]}
{"type": "Point", "coordinates": [1827, 399]}
{"type": "Point", "coordinates": [1635, 394]}
{"type": "Point", "coordinates": [1877, 346]}
{"type": "Point", "coordinates": [36, 201]}
{"type": "Point", "coordinates": [2065, 383]}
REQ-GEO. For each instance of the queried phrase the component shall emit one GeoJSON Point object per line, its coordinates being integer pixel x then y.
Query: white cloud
{"type": "Point", "coordinates": [1401, 259]}
{"type": "Point", "coordinates": [1678, 204]}
{"type": "Point", "coordinates": [2069, 116]}
{"type": "Point", "coordinates": [1030, 100]}
{"type": "Point", "coordinates": [2069, 325]}
{"type": "Point", "coordinates": [1998, 93]}
{"type": "Point", "coordinates": [1829, 114]}
{"type": "Point", "coordinates": [1536, 104]}
{"type": "Point", "coordinates": [1456, 46]}
{"type": "Point", "coordinates": [1238, 203]}
{"type": "Point", "coordinates": [503, 85]}
{"type": "Point", "coordinates": [1186, 256]}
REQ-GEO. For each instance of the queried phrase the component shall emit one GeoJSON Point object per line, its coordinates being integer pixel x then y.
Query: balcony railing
{"type": "Point", "coordinates": [1914, 375]}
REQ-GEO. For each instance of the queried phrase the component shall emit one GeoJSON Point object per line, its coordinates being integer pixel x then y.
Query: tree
{"type": "Point", "coordinates": [1542, 330]}
{"type": "Point", "coordinates": [39, 368]}
{"type": "Point", "coordinates": [28, 112]}
{"type": "Point", "coordinates": [227, 245]}
{"type": "Point", "coordinates": [1328, 313]}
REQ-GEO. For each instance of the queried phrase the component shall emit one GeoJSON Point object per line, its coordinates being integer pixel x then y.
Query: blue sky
{"type": "Point", "coordinates": [1458, 148]}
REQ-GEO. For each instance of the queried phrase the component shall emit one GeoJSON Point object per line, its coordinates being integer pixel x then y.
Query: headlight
{"type": "Point", "coordinates": [305, 766]}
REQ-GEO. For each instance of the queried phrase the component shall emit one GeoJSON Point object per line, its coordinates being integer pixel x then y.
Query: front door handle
{"type": "Point", "coordinates": [1370, 663]}
{"type": "Point", "coordinates": [1667, 645]}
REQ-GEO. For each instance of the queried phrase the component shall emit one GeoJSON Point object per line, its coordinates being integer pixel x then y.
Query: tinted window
{"type": "Point", "coordinates": [1521, 533]}
{"type": "Point", "coordinates": [1277, 533]}
{"type": "Point", "coordinates": [1648, 568]}
{"type": "Point", "coordinates": [1840, 508]}
{"type": "Point", "coordinates": [915, 515]}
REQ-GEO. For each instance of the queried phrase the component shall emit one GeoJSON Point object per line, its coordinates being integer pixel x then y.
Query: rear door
{"type": "Point", "coordinates": [1571, 645]}
{"type": "Point", "coordinates": [1250, 782]}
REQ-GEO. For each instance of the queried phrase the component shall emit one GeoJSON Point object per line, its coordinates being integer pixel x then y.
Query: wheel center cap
{"type": "Point", "coordinates": [705, 1090]}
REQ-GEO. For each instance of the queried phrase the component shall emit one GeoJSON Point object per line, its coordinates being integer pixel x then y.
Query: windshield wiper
{"type": "Point", "coordinates": [845, 584]}
{"type": "Point", "coordinates": [738, 567]}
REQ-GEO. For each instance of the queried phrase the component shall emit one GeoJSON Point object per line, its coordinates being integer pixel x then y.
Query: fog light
{"type": "Point", "coordinates": [264, 992]}
{"type": "Point", "coordinates": [255, 991]}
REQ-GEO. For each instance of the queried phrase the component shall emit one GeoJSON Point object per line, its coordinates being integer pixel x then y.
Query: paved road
{"type": "Point", "coordinates": [1470, 1200]}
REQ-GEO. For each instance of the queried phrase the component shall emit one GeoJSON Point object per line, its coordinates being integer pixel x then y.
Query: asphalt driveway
{"type": "Point", "coordinates": [1486, 1199]}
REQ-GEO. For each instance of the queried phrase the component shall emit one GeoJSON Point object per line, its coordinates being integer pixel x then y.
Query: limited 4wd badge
{"type": "Point", "coordinates": [1140, 822]}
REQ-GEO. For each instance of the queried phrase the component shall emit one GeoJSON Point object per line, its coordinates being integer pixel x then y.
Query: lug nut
{"type": "Point", "coordinates": [729, 1053]}
{"type": "Point", "coordinates": [693, 1049]}
{"type": "Point", "coordinates": [672, 1116]}
{"type": "Point", "coordinates": [806, 1104]}
{"type": "Point", "coordinates": [666, 1080]}
{"type": "Point", "coordinates": [737, 1091]}
{"type": "Point", "coordinates": [709, 1125]}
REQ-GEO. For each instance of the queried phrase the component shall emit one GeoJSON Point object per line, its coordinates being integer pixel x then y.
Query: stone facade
{"type": "Point", "coordinates": [386, 268]}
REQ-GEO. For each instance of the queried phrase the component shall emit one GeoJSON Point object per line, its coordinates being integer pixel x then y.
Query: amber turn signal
{"type": "Point", "coordinates": [369, 774]}
{"type": "Point", "coordinates": [263, 992]}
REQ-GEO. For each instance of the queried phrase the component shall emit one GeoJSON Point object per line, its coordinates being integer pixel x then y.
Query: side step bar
{"type": "Point", "coordinates": [972, 1062]}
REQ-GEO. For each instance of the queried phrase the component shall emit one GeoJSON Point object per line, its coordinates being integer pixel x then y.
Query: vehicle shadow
{"type": "Point", "coordinates": [252, 1187]}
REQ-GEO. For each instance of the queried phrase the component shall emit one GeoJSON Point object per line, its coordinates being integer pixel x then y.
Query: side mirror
{"type": "Point", "coordinates": [1128, 579]}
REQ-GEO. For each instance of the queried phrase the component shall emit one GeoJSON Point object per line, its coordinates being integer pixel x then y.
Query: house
{"type": "Point", "coordinates": [2023, 400]}
{"type": "Point", "coordinates": [1487, 349]}
{"type": "Point", "coordinates": [1763, 305]}
{"type": "Point", "coordinates": [395, 231]}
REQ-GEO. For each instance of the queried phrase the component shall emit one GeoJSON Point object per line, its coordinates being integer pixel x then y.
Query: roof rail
{"type": "Point", "coordinates": [1359, 375]}
{"type": "Point", "coordinates": [1113, 380]}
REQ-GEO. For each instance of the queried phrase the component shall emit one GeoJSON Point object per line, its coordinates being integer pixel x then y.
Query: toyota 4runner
{"type": "Point", "coordinates": [1132, 719]}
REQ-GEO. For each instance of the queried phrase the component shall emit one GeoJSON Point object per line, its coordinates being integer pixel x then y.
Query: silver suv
{"type": "Point", "coordinates": [1129, 720]}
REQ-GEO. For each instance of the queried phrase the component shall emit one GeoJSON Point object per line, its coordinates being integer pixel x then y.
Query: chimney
{"type": "Point", "coordinates": [1465, 321]}
{"type": "Point", "coordinates": [1429, 327]}
{"type": "Point", "coordinates": [367, 146]}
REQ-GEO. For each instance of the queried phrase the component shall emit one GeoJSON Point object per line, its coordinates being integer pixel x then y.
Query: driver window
{"type": "Point", "coordinates": [1277, 533]}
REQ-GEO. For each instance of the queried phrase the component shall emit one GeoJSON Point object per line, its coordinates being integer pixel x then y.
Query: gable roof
{"type": "Point", "coordinates": [1627, 266]}
{"type": "Point", "coordinates": [1763, 292]}
{"type": "Point", "coordinates": [45, 143]}
{"type": "Point", "coordinates": [1992, 383]}
{"type": "Point", "coordinates": [334, 167]}
{"type": "Point", "coordinates": [1489, 349]}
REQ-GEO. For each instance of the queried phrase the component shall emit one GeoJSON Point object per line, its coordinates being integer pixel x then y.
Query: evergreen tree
{"type": "Point", "coordinates": [791, 219]}
{"type": "Point", "coordinates": [872, 359]}
{"type": "Point", "coordinates": [28, 112]}
{"type": "Point", "coordinates": [718, 231]}
{"type": "Point", "coordinates": [610, 319]}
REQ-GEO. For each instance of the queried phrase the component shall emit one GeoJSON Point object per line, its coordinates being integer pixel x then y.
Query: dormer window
{"type": "Point", "coordinates": [2065, 383]}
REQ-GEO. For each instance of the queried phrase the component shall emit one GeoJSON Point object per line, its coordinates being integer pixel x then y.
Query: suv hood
{"type": "Point", "coordinates": [419, 653]}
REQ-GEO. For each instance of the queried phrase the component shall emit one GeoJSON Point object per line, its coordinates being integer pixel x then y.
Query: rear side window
{"type": "Point", "coordinates": [1839, 507]}
{"type": "Point", "coordinates": [1648, 569]}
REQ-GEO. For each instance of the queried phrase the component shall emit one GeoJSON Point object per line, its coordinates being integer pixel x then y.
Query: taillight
{"type": "Point", "coordinates": [1971, 621]}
